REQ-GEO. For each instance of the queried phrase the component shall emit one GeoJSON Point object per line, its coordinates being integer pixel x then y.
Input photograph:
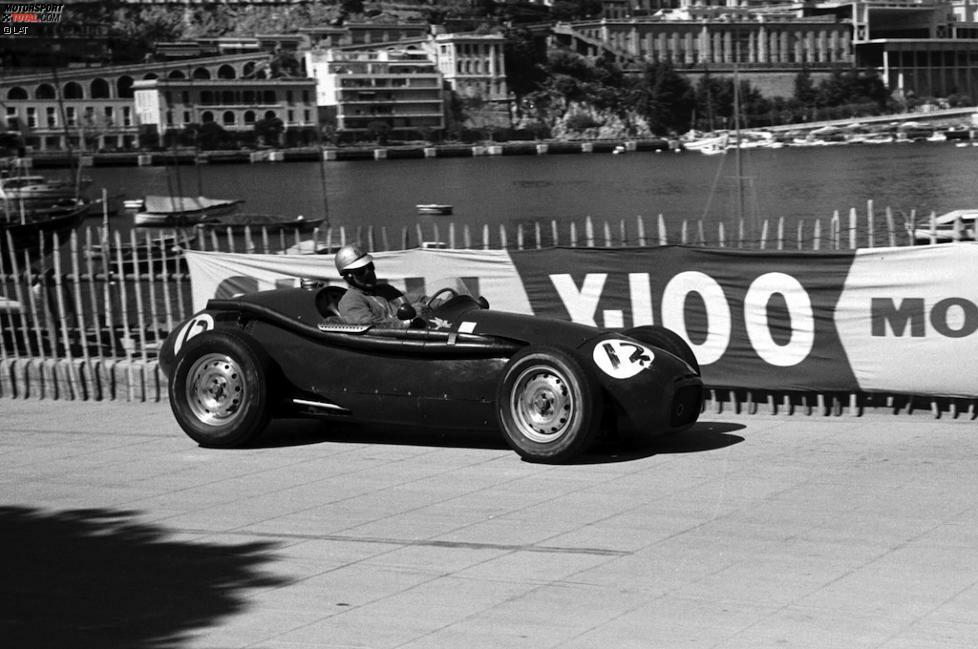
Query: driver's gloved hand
{"type": "Point", "coordinates": [418, 323]}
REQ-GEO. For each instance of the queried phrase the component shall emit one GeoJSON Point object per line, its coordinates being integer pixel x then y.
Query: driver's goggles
{"type": "Point", "coordinates": [362, 271]}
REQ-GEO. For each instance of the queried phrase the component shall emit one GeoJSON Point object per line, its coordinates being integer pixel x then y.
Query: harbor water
{"type": "Point", "coordinates": [794, 183]}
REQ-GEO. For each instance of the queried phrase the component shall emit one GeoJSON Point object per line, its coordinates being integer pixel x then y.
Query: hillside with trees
{"type": "Point", "coordinates": [557, 93]}
{"type": "Point", "coordinates": [572, 96]}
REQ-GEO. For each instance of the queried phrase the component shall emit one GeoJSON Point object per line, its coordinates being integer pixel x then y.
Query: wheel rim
{"type": "Point", "coordinates": [216, 389]}
{"type": "Point", "coordinates": [544, 407]}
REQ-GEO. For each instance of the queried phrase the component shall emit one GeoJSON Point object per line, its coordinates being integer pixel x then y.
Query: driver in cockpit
{"type": "Point", "coordinates": [368, 301]}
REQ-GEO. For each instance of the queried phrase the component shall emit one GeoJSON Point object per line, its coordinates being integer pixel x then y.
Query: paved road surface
{"type": "Point", "coordinates": [750, 532]}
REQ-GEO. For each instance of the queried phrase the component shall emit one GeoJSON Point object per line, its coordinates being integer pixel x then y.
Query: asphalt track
{"type": "Point", "coordinates": [750, 531]}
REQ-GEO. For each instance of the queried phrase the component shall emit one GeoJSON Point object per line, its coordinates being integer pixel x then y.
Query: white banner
{"type": "Point", "coordinates": [223, 275]}
{"type": "Point", "coordinates": [908, 319]}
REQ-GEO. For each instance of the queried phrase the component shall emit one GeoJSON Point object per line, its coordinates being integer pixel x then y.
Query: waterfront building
{"type": "Point", "coordinates": [360, 89]}
{"type": "Point", "coordinates": [769, 53]}
{"type": "Point", "coordinates": [234, 104]}
{"type": "Point", "coordinates": [612, 9]}
{"type": "Point", "coordinates": [80, 111]}
{"type": "Point", "coordinates": [928, 48]}
{"type": "Point", "coordinates": [920, 47]}
{"type": "Point", "coordinates": [324, 37]}
{"type": "Point", "coordinates": [93, 108]}
{"type": "Point", "coordinates": [224, 46]}
{"type": "Point", "coordinates": [472, 64]}
{"type": "Point", "coordinates": [363, 34]}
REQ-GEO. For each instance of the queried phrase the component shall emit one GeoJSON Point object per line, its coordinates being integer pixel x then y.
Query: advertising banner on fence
{"type": "Point", "coordinates": [893, 319]}
{"type": "Point", "coordinates": [753, 320]}
{"type": "Point", "coordinates": [421, 271]}
{"type": "Point", "coordinates": [908, 319]}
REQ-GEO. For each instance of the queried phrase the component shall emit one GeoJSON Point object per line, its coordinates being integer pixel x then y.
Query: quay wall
{"type": "Point", "coordinates": [313, 154]}
{"type": "Point", "coordinates": [957, 123]}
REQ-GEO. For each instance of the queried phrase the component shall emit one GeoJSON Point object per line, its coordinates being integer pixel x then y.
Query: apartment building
{"type": "Point", "coordinates": [96, 108]}
{"type": "Point", "coordinates": [401, 88]}
{"type": "Point", "coordinates": [473, 65]}
{"type": "Point", "coordinates": [81, 112]}
{"type": "Point", "coordinates": [234, 104]}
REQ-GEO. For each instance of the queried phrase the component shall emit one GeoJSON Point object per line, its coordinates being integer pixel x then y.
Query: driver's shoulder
{"type": "Point", "coordinates": [388, 292]}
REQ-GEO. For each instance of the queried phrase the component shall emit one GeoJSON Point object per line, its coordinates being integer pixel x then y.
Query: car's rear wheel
{"type": "Point", "coordinates": [548, 406]}
{"type": "Point", "coordinates": [666, 339]}
{"type": "Point", "coordinates": [219, 391]}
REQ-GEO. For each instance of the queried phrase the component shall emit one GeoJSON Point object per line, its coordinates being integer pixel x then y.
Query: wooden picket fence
{"type": "Point", "coordinates": [834, 233]}
{"type": "Point", "coordinates": [90, 325]}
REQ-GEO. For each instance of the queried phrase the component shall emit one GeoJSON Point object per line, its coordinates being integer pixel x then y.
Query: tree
{"type": "Point", "coordinates": [379, 130]}
{"type": "Point", "coordinates": [351, 6]}
{"type": "Point", "coordinates": [525, 58]}
{"type": "Point", "coordinates": [284, 64]}
{"type": "Point", "coordinates": [565, 62]}
{"type": "Point", "coordinates": [149, 136]}
{"type": "Point", "coordinates": [483, 8]}
{"type": "Point", "coordinates": [715, 101]}
{"type": "Point", "coordinates": [269, 130]}
{"type": "Point", "coordinates": [581, 122]}
{"type": "Point", "coordinates": [713, 104]}
{"type": "Point", "coordinates": [805, 92]}
{"type": "Point", "coordinates": [846, 87]}
{"type": "Point", "coordinates": [213, 136]}
{"type": "Point", "coordinates": [665, 98]}
{"type": "Point", "coordinates": [573, 9]}
{"type": "Point", "coordinates": [134, 34]}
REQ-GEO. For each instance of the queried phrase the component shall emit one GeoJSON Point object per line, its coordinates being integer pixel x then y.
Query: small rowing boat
{"type": "Point", "coordinates": [436, 209]}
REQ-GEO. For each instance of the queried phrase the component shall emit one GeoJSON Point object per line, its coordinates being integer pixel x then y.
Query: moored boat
{"type": "Point", "coordinates": [238, 221]}
{"type": "Point", "coordinates": [181, 210]}
{"type": "Point", "coordinates": [437, 209]}
{"type": "Point", "coordinates": [33, 189]}
{"type": "Point", "coordinates": [26, 228]}
{"type": "Point", "coordinates": [705, 143]}
{"type": "Point", "coordinates": [108, 205]}
{"type": "Point", "coordinates": [957, 225]}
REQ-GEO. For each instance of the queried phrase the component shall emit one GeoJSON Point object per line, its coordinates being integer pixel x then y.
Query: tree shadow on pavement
{"type": "Point", "coordinates": [98, 578]}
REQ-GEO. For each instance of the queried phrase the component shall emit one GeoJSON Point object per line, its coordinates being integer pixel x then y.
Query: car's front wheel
{"type": "Point", "coordinates": [219, 390]}
{"type": "Point", "coordinates": [548, 405]}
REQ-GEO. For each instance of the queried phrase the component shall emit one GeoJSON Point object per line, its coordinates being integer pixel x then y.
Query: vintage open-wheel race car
{"type": "Point", "coordinates": [549, 386]}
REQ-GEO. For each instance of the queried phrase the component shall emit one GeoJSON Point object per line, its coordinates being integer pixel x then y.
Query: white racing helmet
{"type": "Point", "coordinates": [351, 257]}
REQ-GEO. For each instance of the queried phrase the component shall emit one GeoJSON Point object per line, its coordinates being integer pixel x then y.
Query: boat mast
{"type": "Point", "coordinates": [200, 180]}
{"type": "Point", "coordinates": [178, 210]}
{"type": "Point", "coordinates": [64, 125]}
{"type": "Point", "coordinates": [322, 169]}
{"type": "Point", "coordinates": [740, 164]}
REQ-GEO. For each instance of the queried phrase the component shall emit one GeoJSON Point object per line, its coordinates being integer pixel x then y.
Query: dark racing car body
{"type": "Point", "coordinates": [549, 386]}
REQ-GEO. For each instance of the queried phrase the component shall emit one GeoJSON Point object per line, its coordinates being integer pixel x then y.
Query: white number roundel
{"type": "Point", "coordinates": [622, 359]}
{"type": "Point", "coordinates": [198, 324]}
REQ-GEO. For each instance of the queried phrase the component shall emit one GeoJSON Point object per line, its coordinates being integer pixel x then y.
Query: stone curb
{"type": "Point", "coordinates": [82, 380]}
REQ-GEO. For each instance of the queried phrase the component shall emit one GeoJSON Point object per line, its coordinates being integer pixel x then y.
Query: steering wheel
{"type": "Point", "coordinates": [452, 293]}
